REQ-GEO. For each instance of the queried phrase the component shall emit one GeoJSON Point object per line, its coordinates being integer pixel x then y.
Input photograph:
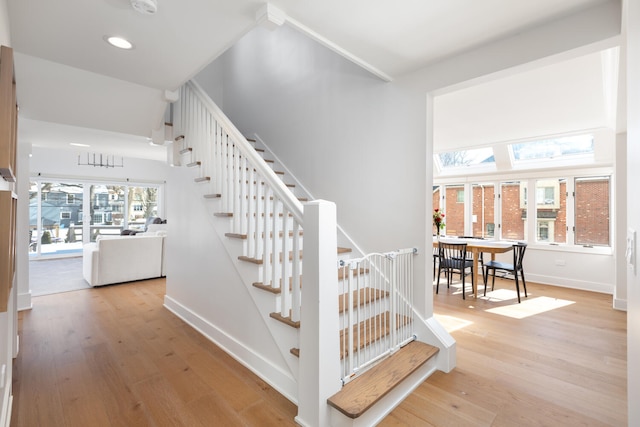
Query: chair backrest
{"type": "Point", "coordinates": [452, 251]}
{"type": "Point", "coordinates": [518, 255]}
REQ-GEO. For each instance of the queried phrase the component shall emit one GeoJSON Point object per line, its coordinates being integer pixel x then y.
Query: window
{"type": "Point", "coordinates": [436, 197]}
{"type": "Point", "coordinates": [454, 209]}
{"type": "Point", "coordinates": [514, 209]}
{"type": "Point", "coordinates": [551, 210]}
{"type": "Point", "coordinates": [592, 211]}
{"type": "Point", "coordinates": [482, 210]}
{"type": "Point", "coordinates": [553, 148]}
{"type": "Point", "coordinates": [466, 157]}
{"type": "Point", "coordinates": [65, 215]}
{"type": "Point", "coordinates": [543, 231]}
{"type": "Point", "coordinates": [70, 199]}
{"type": "Point", "coordinates": [143, 204]}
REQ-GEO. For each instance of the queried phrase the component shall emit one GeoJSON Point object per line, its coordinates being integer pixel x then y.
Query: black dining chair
{"type": "Point", "coordinates": [452, 257]}
{"type": "Point", "coordinates": [515, 268]}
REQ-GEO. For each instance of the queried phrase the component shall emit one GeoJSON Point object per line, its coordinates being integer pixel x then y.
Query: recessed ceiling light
{"type": "Point", "coordinates": [118, 42]}
{"type": "Point", "coordinates": [146, 7]}
{"type": "Point", "coordinates": [77, 144]}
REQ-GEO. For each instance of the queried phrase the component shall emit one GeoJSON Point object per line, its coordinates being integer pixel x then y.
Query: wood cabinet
{"type": "Point", "coordinates": [8, 207]}
{"type": "Point", "coordinates": [8, 115]}
{"type": "Point", "coordinates": [8, 149]}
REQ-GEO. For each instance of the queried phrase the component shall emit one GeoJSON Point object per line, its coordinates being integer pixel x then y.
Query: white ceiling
{"type": "Point", "coordinates": [566, 97]}
{"type": "Point", "coordinates": [67, 74]}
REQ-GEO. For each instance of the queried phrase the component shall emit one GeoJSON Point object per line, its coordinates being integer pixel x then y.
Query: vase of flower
{"type": "Point", "coordinates": [438, 222]}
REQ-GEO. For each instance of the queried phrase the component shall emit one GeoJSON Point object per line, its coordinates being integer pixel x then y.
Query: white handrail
{"type": "Point", "coordinates": [279, 188]}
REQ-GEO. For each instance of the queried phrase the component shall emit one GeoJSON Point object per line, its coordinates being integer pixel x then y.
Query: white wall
{"type": "Point", "coordinates": [633, 206]}
{"type": "Point", "coordinates": [64, 163]}
{"type": "Point", "coordinates": [347, 136]}
{"type": "Point", "coordinates": [204, 287]}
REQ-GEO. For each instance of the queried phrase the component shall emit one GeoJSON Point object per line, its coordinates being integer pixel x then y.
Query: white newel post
{"type": "Point", "coordinates": [319, 376]}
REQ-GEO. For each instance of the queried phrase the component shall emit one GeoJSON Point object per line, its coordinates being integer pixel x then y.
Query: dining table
{"type": "Point", "coordinates": [477, 246]}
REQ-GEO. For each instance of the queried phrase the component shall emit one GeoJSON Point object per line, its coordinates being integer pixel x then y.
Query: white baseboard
{"type": "Point", "coordinates": [603, 288]}
{"type": "Point", "coordinates": [7, 404]}
{"type": "Point", "coordinates": [620, 304]}
{"type": "Point", "coordinates": [280, 380]}
{"type": "Point", "coordinates": [24, 302]}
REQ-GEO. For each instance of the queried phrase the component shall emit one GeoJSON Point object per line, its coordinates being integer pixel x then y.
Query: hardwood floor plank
{"type": "Point", "coordinates": [82, 404]}
{"type": "Point", "coordinates": [558, 365]}
{"type": "Point", "coordinates": [212, 410]}
{"type": "Point", "coordinates": [116, 353]}
{"type": "Point", "coordinates": [123, 406]}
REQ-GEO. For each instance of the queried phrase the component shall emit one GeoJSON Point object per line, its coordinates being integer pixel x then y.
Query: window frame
{"type": "Point", "coordinates": [531, 177]}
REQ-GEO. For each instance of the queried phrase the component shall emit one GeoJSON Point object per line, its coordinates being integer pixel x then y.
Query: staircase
{"type": "Point", "coordinates": [255, 206]}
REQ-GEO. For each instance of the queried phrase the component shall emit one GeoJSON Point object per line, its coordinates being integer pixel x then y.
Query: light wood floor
{"type": "Point", "coordinates": [113, 356]}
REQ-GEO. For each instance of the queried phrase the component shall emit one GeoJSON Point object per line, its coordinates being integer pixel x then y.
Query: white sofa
{"type": "Point", "coordinates": [123, 258]}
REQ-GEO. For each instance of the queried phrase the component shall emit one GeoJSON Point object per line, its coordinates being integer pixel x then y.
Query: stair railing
{"type": "Point", "coordinates": [376, 305]}
{"type": "Point", "coordinates": [260, 206]}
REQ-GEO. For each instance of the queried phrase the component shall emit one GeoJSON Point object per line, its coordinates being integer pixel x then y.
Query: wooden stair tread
{"type": "Point", "coordinates": [363, 392]}
{"type": "Point", "coordinates": [178, 138]}
{"type": "Point", "coordinates": [286, 320]}
{"type": "Point", "coordinates": [202, 179]}
{"type": "Point", "coordinates": [236, 236]}
{"type": "Point", "coordinates": [223, 214]}
{"type": "Point", "coordinates": [194, 164]}
{"type": "Point", "coordinates": [344, 250]}
{"type": "Point", "coordinates": [186, 150]}
{"type": "Point", "coordinates": [359, 271]}
{"type": "Point", "coordinates": [212, 196]}
{"type": "Point", "coordinates": [244, 236]}
{"type": "Point", "coordinates": [273, 290]}
{"type": "Point", "coordinates": [251, 260]}
{"type": "Point", "coordinates": [362, 297]}
{"type": "Point", "coordinates": [380, 325]}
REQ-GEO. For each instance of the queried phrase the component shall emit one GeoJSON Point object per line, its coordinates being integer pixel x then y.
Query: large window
{"type": "Point", "coordinates": [573, 210]}
{"type": "Point", "coordinates": [483, 210]}
{"type": "Point", "coordinates": [64, 215]}
{"type": "Point", "coordinates": [454, 202]}
{"type": "Point", "coordinates": [577, 146]}
{"type": "Point", "coordinates": [472, 157]}
{"type": "Point", "coordinates": [514, 209]}
{"type": "Point", "coordinates": [551, 210]}
{"type": "Point", "coordinates": [52, 217]}
{"type": "Point", "coordinates": [592, 211]}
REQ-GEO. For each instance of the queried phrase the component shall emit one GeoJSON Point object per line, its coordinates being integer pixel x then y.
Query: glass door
{"type": "Point", "coordinates": [55, 209]}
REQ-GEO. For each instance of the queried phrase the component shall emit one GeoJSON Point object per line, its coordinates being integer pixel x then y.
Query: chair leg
{"type": "Point", "coordinates": [517, 286]}
{"type": "Point", "coordinates": [524, 284]}
{"type": "Point", "coordinates": [463, 297]}
{"type": "Point", "coordinates": [493, 280]}
{"type": "Point", "coordinates": [438, 282]}
{"type": "Point", "coordinates": [485, 273]}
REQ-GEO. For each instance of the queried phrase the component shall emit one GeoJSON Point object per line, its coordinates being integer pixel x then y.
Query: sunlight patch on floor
{"type": "Point", "coordinates": [529, 307]}
{"type": "Point", "coordinates": [451, 323]}
{"type": "Point", "coordinates": [499, 295]}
